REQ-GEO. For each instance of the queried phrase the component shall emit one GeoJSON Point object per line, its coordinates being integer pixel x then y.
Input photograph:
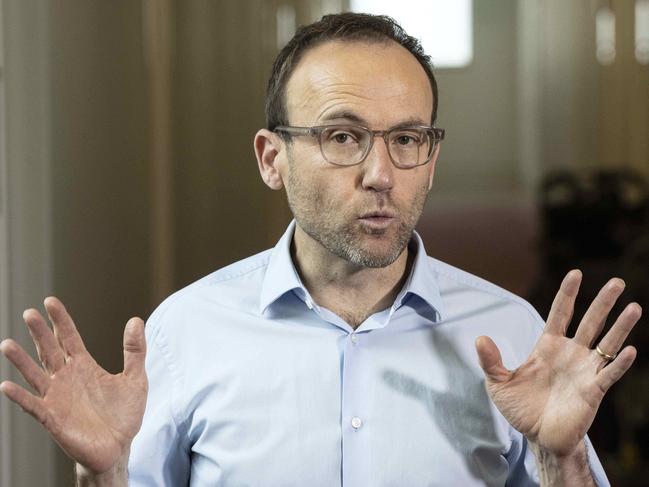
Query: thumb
{"type": "Point", "coordinates": [490, 360]}
{"type": "Point", "coordinates": [134, 347]}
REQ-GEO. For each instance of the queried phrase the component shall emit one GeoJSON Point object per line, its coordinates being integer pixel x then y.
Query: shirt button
{"type": "Point", "coordinates": [354, 338]}
{"type": "Point", "coordinates": [357, 422]}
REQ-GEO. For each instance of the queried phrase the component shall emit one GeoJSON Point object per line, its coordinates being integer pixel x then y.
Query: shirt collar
{"type": "Point", "coordinates": [282, 277]}
{"type": "Point", "coordinates": [422, 281]}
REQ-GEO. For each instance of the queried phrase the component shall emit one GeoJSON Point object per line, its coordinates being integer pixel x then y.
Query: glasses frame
{"type": "Point", "coordinates": [437, 135]}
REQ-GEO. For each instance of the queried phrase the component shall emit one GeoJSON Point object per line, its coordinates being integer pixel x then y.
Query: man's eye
{"type": "Point", "coordinates": [406, 140]}
{"type": "Point", "coordinates": [341, 137]}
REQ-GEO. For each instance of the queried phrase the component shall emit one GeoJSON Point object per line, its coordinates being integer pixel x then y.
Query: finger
{"type": "Point", "coordinates": [49, 351]}
{"type": "Point", "coordinates": [32, 373]}
{"type": "Point", "coordinates": [610, 374]}
{"type": "Point", "coordinates": [134, 348]}
{"type": "Point", "coordinates": [593, 321]}
{"type": "Point", "coordinates": [28, 402]}
{"type": "Point", "coordinates": [564, 304]}
{"type": "Point", "coordinates": [616, 336]}
{"type": "Point", "coordinates": [490, 360]}
{"type": "Point", "coordinates": [64, 328]}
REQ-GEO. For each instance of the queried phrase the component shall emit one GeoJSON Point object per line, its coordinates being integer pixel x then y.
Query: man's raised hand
{"type": "Point", "coordinates": [91, 414]}
{"type": "Point", "coordinates": [552, 398]}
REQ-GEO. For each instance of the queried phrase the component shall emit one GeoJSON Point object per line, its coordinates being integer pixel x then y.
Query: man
{"type": "Point", "coordinates": [345, 355]}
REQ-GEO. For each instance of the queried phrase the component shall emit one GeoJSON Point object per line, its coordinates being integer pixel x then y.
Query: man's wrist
{"type": "Point", "coordinates": [556, 470]}
{"type": "Point", "coordinates": [117, 476]}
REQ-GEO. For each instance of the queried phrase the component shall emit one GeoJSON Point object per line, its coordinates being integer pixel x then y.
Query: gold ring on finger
{"type": "Point", "coordinates": [605, 356]}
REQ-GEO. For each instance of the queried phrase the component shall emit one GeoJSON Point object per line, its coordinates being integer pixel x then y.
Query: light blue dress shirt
{"type": "Point", "coordinates": [251, 383]}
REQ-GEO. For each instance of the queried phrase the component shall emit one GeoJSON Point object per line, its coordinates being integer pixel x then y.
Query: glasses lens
{"type": "Point", "coordinates": [410, 146]}
{"type": "Point", "coordinates": [344, 145]}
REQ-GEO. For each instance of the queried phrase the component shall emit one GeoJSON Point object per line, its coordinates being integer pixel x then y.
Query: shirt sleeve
{"type": "Point", "coordinates": [596, 467]}
{"type": "Point", "coordinates": [159, 453]}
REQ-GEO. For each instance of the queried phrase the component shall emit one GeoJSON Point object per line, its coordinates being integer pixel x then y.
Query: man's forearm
{"type": "Point", "coordinates": [560, 471]}
{"type": "Point", "coordinates": [115, 477]}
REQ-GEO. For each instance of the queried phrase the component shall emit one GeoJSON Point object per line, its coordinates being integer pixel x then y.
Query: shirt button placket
{"type": "Point", "coordinates": [354, 417]}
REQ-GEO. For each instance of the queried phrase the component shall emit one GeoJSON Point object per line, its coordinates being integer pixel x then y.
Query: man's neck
{"type": "Point", "coordinates": [351, 291]}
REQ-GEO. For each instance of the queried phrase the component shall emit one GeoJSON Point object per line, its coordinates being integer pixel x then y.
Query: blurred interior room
{"type": "Point", "coordinates": [127, 169]}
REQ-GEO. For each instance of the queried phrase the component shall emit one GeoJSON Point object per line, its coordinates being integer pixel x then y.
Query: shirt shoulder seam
{"type": "Point", "coordinates": [228, 277]}
{"type": "Point", "coordinates": [486, 286]}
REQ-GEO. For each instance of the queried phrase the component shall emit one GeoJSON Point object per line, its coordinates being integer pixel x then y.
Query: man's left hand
{"type": "Point", "coordinates": [552, 398]}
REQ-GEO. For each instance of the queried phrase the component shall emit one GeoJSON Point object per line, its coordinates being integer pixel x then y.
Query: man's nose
{"type": "Point", "coordinates": [378, 170]}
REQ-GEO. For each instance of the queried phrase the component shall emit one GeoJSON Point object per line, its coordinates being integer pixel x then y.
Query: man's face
{"type": "Point", "coordinates": [366, 213]}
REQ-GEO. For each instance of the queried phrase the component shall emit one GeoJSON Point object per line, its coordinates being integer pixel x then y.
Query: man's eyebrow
{"type": "Point", "coordinates": [352, 117]}
{"type": "Point", "coordinates": [344, 114]}
{"type": "Point", "coordinates": [409, 122]}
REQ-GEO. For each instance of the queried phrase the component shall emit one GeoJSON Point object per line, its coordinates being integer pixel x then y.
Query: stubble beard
{"type": "Point", "coordinates": [343, 237]}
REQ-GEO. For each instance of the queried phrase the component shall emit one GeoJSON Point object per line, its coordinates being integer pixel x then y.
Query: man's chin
{"type": "Point", "coordinates": [373, 261]}
{"type": "Point", "coordinates": [363, 245]}
{"type": "Point", "coordinates": [373, 254]}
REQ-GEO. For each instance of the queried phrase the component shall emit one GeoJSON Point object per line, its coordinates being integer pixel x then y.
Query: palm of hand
{"type": "Point", "coordinates": [91, 414]}
{"type": "Point", "coordinates": [559, 378]}
{"type": "Point", "coordinates": [552, 398]}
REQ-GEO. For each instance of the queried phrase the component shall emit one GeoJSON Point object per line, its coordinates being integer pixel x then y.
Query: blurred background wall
{"type": "Point", "coordinates": [128, 170]}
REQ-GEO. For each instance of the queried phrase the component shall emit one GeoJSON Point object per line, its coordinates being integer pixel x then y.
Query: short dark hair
{"type": "Point", "coordinates": [347, 26]}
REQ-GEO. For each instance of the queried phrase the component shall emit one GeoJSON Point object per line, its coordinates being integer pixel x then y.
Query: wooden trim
{"type": "Point", "coordinates": [5, 417]}
{"type": "Point", "coordinates": [157, 29]}
{"type": "Point", "coordinates": [27, 244]}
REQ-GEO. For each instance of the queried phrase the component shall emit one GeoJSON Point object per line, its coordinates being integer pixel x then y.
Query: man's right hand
{"type": "Point", "coordinates": [91, 414]}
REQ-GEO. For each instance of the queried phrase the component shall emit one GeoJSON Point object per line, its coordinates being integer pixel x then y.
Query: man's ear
{"type": "Point", "coordinates": [269, 151]}
{"type": "Point", "coordinates": [432, 164]}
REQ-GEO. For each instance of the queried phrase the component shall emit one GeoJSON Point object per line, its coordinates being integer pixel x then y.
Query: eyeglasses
{"type": "Point", "coordinates": [348, 145]}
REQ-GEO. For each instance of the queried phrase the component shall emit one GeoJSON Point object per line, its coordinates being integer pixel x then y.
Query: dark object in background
{"type": "Point", "coordinates": [599, 222]}
{"type": "Point", "coordinates": [592, 216]}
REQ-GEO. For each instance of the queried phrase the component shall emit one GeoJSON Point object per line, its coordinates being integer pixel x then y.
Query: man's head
{"type": "Point", "coordinates": [362, 213]}
{"type": "Point", "coordinates": [342, 27]}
